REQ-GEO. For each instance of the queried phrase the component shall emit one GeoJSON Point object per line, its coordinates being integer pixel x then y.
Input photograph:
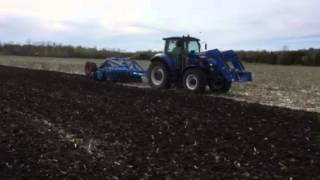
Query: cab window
{"type": "Point", "coordinates": [193, 46]}
{"type": "Point", "coordinates": [171, 45]}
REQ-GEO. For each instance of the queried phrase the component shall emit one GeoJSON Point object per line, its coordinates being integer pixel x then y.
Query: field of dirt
{"type": "Point", "coordinates": [296, 87]}
{"type": "Point", "coordinates": [56, 125]}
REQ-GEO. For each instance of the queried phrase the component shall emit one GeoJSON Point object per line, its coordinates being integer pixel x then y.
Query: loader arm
{"type": "Point", "coordinates": [236, 72]}
{"type": "Point", "coordinates": [231, 55]}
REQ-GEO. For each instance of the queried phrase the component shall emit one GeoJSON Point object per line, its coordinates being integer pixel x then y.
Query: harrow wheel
{"type": "Point", "coordinates": [90, 68]}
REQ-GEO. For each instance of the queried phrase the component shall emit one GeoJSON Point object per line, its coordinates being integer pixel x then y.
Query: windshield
{"type": "Point", "coordinates": [193, 46]}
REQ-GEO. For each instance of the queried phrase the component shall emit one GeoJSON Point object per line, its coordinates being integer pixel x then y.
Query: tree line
{"type": "Point", "coordinates": [310, 57]}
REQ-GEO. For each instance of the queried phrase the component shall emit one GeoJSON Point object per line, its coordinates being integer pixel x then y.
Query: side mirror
{"type": "Point", "coordinates": [205, 46]}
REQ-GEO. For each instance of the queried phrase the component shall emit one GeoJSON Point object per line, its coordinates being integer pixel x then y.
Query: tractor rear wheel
{"type": "Point", "coordinates": [194, 80]}
{"type": "Point", "coordinates": [90, 68]}
{"type": "Point", "coordinates": [219, 84]}
{"type": "Point", "coordinates": [158, 75]}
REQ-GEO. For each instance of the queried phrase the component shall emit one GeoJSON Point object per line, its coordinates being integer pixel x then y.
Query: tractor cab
{"type": "Point", "coordinates": [181, 49]}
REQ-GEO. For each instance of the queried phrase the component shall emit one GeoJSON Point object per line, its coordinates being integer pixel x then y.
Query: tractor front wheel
{"type": "Point", "coordinates": [158, 75]}
{"type": "Point", "coordinates": [219, 84]}
{"type": "Point", "coordinates": [194, 80]}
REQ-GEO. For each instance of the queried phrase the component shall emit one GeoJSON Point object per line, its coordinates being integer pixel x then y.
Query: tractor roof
{"type": "Point", "coordinates": [179, 37]}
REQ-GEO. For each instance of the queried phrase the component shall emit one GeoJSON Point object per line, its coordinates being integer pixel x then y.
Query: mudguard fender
{"type": "Point", "coordinates": [166, 59]}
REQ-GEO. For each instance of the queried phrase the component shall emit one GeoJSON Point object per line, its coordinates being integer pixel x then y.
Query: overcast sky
{"type": "Point", "coordinates": [141, 24]}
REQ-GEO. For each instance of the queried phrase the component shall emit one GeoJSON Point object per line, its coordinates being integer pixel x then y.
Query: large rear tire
{"type": "Point", "coordinates": [158, 75]}
{"type": "Point", "coordinates": [219, 84]}
{"type": "Point", "coordinates": [90, 68]}
{"type": "Point", "coordinates": [194, 80]}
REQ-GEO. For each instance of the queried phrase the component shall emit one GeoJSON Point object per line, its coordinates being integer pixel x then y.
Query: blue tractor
{"type": "Point", "coordinates": [183, 65]}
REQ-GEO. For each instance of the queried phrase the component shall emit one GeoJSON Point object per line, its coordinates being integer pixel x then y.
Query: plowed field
{"type": "Point", "coordinates": [55, 125]}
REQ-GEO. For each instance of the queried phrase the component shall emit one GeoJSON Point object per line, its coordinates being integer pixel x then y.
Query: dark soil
{"type": "Point", "coordinates": [56, 125]}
